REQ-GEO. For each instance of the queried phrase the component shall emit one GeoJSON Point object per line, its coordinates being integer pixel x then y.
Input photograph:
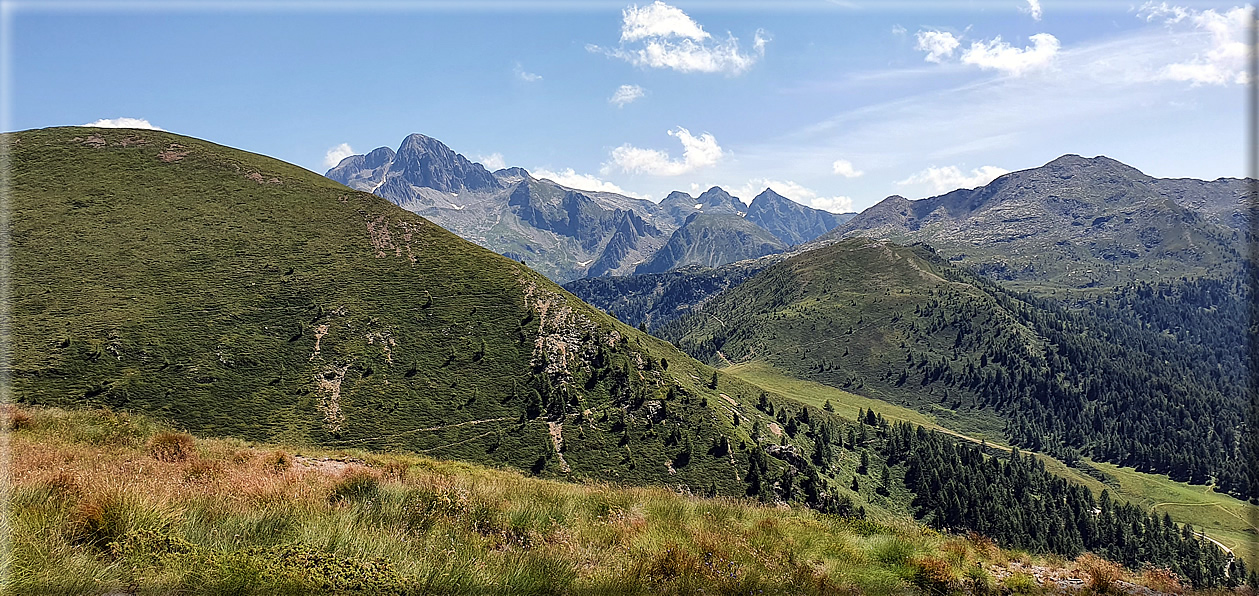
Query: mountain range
{"type": "Point", "coordinates": [567, 233]}
{"type": "Point", "coordinates": [234, 295]}
{"type": "Point", "coordinates": [1074, 223]}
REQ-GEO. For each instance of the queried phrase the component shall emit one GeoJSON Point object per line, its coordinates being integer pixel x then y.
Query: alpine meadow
{"type": "Point", "coordinates": [711, 298]}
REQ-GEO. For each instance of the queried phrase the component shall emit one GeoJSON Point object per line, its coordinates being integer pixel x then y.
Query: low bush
{"type": "Point", "coordinates": [172, 447]}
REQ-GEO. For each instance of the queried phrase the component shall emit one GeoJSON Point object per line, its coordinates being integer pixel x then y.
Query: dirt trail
{"type": "Point", "coordinates": [421, 430]}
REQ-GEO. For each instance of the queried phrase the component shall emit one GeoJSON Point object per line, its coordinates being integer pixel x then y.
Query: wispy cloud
{"type": "Point", "coordinates": [697, 152]}
{"type": "Point", "coordinates": [1033, 8]}
{"type": "Point", "coordinates": [568, 177]}
{"type": "Point", "coordinates": [1222, 49]}
{"type": "Point", "coordinates": [122, 123]}
{"type": "Point", "coordinates": [336, 154]}
{"type": "Point", "coordinates": [525, 75]}
{"type": "Point", "coordinates": [951, 177]}
{"type": "Point", "coordinates": [844, 168]}
{"type": "Point", "coordinates": [899, 30]}
{"type": "Point", "coordinates": [493, 161]}
{"type": "Point", "coordinates": [662, 36]}
{"type": "Point", "coordinates": [625, 94]}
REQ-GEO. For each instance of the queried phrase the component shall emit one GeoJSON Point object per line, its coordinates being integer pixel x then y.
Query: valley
{"type": "Point", "coordinates": [239, 298]}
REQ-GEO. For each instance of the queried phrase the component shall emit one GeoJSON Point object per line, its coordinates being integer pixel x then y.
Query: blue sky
{"type": "Point", "coordinates": [834, 104]}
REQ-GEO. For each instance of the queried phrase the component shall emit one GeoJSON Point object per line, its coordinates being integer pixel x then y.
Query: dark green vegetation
{"type": "Point", "coordinates": [237, 295]}
{"type": "Point", "coordinates": [900, 323]}
{"type": "Point", "coordinates": [711, 240]}
{"type": "Point", "coordinates": [1015, 501]}
{"type": "Point", "coordinates": [653, 299]}
{"type": "Point", "coordinates": [234, 295]}
{"type": "Point", "coordinates": [1076, 224]}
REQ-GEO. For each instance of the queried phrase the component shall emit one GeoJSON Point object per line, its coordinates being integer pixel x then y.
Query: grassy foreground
{"type": "Point", "coordinates": [102, 502]}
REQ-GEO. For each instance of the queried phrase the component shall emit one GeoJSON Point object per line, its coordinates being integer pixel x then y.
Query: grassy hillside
{"type": "Point", "coordinates": [110, 503]}
{"type": "Point", "coordinates": [903, 325]}
{"type": "Point", "coordinates": [1230, 521]}
{"type": "Point", "coordinates": [236, 295]}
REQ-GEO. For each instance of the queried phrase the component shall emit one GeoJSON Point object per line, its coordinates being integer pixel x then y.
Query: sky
{"type": "Point", "coordinates": [834, 104]}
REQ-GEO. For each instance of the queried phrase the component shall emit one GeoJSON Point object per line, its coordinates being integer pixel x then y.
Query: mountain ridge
{"type": "Point", "coordinates": [564, 232]}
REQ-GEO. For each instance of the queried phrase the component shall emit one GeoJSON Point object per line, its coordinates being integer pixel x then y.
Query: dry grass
{"type": "Point", "coordinates": [1100, 576]}
{"type": "Point", "coordinates": [94, 510]}
{"type": "Point", "coordinates": [172, 447]}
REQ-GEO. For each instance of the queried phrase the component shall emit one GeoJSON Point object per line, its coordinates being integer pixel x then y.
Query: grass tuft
{"type": "Point", "coordinates": [172, 447]}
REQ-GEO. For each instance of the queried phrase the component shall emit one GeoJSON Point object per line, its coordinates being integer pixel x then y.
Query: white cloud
{"type": "Point", "coordinates": [1033, 8]}
{"type": "Point", "coordinates": [794, 191]}
{"type": "Point", "coordinates": [1170, 14]}
{"type": "Point", "coordinates": [568, 177]}
{"type": "Point", "coordinates": [998, 55]}
{"type": "Point", "coordinates": [524, 75]}
{"type": "Point", "coordinates": [951, 178]}
{"type": "Point", "coordinates": [625, 94]}
{"type": "Point", "coordinates": [493, 161]}
{"type": "Point", "coordinates": [844, 168]}
{"type": "Point", "coordinates": [122, 123]}
{"type": "Point", "coordinates": [937, 44]}
{"type": "Point", "coordinates": [899, 30]}
{"type": "Point", "coordinates": [1223, 57]}
{"type": "Point", "coordinates": [697, 152]}
{"type": "Point", "coordinates": [659, 20]}
{"type": "Point", "coordinates": [664, 36]}
{"type": "Point", "coordinates": [989, 55]}
{"type": "Point", "coordinates": [336, 154]}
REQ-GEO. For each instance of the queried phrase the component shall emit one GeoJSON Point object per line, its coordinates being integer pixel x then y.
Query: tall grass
{"type": "Point", "coordinates": [95, 509]}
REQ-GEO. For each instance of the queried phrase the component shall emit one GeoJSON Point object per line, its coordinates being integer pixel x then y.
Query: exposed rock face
{"type": "Point", "coordinates": [679, 205]}
{"type": "Point", "coordinates": [790, 221]}
{"type": "Point", "coordinates": [712, 240]}
{"type": "Point", "coordinates": [363, 172]}
{"type": "Point", "coordinates": [557, 230]}
{"type": "Point", "coordinates": [564, 233]}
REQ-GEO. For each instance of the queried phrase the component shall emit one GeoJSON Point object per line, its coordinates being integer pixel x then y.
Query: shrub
{"type": "Point", "coordinates": [171, 447]}
{"type": "Point", "coordinates": [200, 470]}
{"type": "Point", "coordinates": [934, 575]}
{"type": "Point", "coordinates": [1100, 576]}
{"type": "Point", "coordinates": [277, 461]}
{"type": "Point", "coordinates": [97, 521]}
{"type": "Point", "coordinates": [395, 470]}
{"type": "Point", "coordinates": [978, 581]}
{"type": "Point", "coordinates": [893, 550]}
{"type": "Point", "coordinates": [1022, 583]}
{"type": "Point", "coordinates": [355, 485]}
{"type": "Point", "coordinates": [1162, 580]}
{"type": "Point", "coordinates": [985, 547]}
{"type": "Point", "coordinates": [16, 419]}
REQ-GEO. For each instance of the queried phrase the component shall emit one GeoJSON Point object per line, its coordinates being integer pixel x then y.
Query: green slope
{"type": "Point", "coordinates": [1234, 523]}
{"type": "Point", "coordinates": [900, 324]}
{"type": "Point", "coordinates": [237, 295]}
